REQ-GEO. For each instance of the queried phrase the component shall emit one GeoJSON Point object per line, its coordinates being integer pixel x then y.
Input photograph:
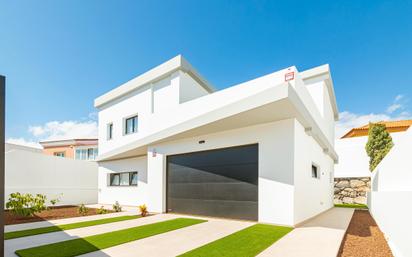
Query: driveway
{"type": "Point", "coordinates": [318, 237]}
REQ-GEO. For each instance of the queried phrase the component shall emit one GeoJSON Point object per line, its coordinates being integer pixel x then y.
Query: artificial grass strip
{"type": "Point", "coordinates": [247, 242]}
{"type": "Point", "coordinates": [347, 205]}
{"type": "Point", "coordinates": [37, 231]}
{"type": "Point", "coordinates": [97, 242]}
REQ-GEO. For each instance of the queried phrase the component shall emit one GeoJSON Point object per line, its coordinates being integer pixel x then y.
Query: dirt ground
{"type": "Point", "coordinates": [364, 238]}
{"type": "Point", "coordinates": [60, 212]}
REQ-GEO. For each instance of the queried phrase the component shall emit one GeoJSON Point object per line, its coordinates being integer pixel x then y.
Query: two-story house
{"type": "Point", "coordinates": [261, 150]}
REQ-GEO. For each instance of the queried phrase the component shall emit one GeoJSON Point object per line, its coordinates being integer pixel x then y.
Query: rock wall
{"type": "Point", "coordinates": [351, 190]}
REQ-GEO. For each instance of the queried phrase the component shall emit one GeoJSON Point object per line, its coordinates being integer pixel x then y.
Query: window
{"type": "Point", "coordinates": [130, 125]}
{"type": "Point", "coordinates": [59, 154]}
{"type": "Point", "coordinates": [315, 172]}
{"type": "Point", "coordinates": [86, 154]}
{"type": "Point", "coordinates": [109, 131]}
{"type": "Point", "coordinates": [123, 179]}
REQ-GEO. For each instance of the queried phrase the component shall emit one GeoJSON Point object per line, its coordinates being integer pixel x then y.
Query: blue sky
{"type": "Point", "coordinates": [60, 55]}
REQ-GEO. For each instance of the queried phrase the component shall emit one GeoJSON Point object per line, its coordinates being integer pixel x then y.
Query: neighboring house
{"type": "Point", "coordinates": [28, 170]}
{"type": "Point", "coordinates": [261, 150]}
{"type": "Point", "coordinates": [391, 194]}
{"type": "Point", "coordinates": [78, 149]}
{"type": "Point", "coordinates": [352, 174]}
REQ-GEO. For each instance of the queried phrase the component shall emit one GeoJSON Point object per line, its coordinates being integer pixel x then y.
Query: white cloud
{"type": "Point", "coordinates": [56, 130]}
{"type": "Point", "coordinates": [22, 141]}
{"type": "Point", "coordinates": [393, 107]}
{"type": "Point", "coordinates": [398, 97]}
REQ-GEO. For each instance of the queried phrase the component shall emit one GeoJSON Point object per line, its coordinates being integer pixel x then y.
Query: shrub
{"type": "Point", "coordinates": [102, 210]}
{"type": "Point", "coordinates": [26, 204]}
{"type": "Point", "coordinates": [55, 200]}
{"type": "Point", "coordinates": [378, 145]}
{"type": "Point", "coordinates": [143, 210]}
{"type": "Point", "coordinates": [83, 210]}
{"type": "Point", "coordinates": [117, 207]}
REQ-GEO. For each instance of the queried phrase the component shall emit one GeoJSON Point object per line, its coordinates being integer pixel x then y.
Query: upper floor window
{"type": "Point", "coordinates": [109, 131]}
{"type": "Point", "coordinates": [86, 154]}
{"type": "Point", "coordinates": [130, 125]}
{"type": "Point", "coordinates": [59, 154]}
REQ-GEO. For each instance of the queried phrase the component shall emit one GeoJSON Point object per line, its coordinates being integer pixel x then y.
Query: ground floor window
{"type": "Point", "coordinates": [123, 179]}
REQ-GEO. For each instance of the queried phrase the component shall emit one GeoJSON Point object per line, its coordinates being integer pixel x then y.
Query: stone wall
{"type": "Point", "coordinates": [351, 190]}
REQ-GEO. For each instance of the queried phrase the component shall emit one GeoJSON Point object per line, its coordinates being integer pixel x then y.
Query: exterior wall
{"type": "Point", "coordinates": [351, 190]}
{"type": "Point", "coordinates": [68, 151]}
{"type": "Point", "coordinates": [130, 195]}
{"type": "Point", "coordinates": [275, 166]}
{"type": "Point", "coordinates": [75, 181]}
{"type": "Point", "coordinates": [312, 195]}
{"type": "Point", "coordinates": [308, 95]}
{"type": "Point", "coordinates": [157, 98]}
{"type": "Point", "coordinates": [189, 88]}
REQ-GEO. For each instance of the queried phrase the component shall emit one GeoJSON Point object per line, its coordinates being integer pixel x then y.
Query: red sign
{"type": "Point", "coordinates": [289, 76]}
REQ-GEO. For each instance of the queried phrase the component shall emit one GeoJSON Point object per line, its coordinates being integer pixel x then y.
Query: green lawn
{"type": "Point", "coordinates": [37, 231]}
{"type": "Point", "coordinates": [347, 205]}
{"type": "Point", "coordinates": [247, 242]}
{"type": "Point", "coordinates": [97, 242]}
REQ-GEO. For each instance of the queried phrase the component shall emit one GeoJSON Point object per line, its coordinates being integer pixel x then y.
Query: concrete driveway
{"type": "Point", "coordinates": [318, 237]}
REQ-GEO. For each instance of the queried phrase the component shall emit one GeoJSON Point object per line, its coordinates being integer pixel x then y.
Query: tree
{"type": "Point", "coordinates": [378, 145]}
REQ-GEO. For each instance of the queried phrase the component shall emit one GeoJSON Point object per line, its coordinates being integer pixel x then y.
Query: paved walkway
{"type": "Point", "coordinates": [175, 242]}
{"type": "Point", "coordinates": [319, 237]}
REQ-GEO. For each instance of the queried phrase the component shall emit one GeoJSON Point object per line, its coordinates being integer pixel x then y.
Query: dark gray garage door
{"type": "Point", "coordinates": [220, 183]}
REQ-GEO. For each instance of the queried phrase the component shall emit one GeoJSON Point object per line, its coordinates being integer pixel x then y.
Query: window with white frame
{"type": "Point", "coordinates": [86, 153]}
{"type": "Point", "coordinates": [315, 171]}
{"type": "Point", "coordinates": [123, 179]}
{"type": "Point", "coordinates": [109, 131]}
{"type": "Point", "coordinates": [130, 125]}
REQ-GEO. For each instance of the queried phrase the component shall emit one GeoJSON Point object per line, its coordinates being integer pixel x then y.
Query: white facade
{"type": "Point", "coordinates": [292, 122]}
{"type": "Point", "coordinates": [72, 181]}
{"type": "Point", "coordinates": [391, 194]}
{"type": "Point", "coordinates": [353, 160]}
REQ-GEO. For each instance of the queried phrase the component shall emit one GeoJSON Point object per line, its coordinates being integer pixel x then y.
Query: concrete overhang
{"type": "Point", "coordinates": [159, 72]}
{"type": "Point", "coordinates": [273, 104]}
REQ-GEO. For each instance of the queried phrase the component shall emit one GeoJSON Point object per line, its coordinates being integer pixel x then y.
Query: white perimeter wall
{"type": "Point", "coordinates": [37, 173]}
{"type": "Point", "coordinates": [392, 211]}
{"type": "Point", "coordinates": [131, 195]}
{"type": "Point", "coordinates": [353, 160]}
{"type": "Point", "coordinates": [312, 195]}
{"type": "Point", "coordinates": [391, 195]}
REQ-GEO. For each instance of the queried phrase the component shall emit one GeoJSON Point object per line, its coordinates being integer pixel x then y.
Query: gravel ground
{"type": "Point", "coordinates": [60, 212]}
{"type": "Point", "coordinates": [364, 238]}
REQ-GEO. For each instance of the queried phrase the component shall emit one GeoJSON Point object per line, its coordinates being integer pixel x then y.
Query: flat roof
{"type": "Point", "coordinates": [159, 72]}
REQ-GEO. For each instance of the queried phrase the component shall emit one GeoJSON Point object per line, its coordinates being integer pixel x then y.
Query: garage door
{"type": "Point", "coordinates": [220, 183]}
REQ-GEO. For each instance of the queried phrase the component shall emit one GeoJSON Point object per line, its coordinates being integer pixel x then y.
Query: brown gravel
{"type": "Point", "coordinates": [364, 238]}
{"type": "Point", "coordinates": [53, 213]}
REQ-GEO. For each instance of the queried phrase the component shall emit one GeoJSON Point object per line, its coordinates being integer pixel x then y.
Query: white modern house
{"type": "Point", "coordinates": [260, 150]}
